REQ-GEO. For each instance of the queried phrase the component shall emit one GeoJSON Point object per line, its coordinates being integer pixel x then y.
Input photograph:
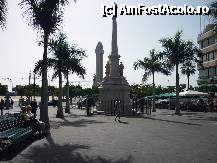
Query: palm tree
{"type": "Point", "coordinates": [72, 64]}
{"type": "Point", "coordinates": [3, 11]}
{"type": "Point", "coordinates": [176, 52]}
{"type": "Point", "coordinates": [44, 16]}
{"type": "Point", "coordinates": [188, 68]}
{"type": "Point", "coordinates": [65, 59]}
{"type": "Point", "coordinates": [151, 66]}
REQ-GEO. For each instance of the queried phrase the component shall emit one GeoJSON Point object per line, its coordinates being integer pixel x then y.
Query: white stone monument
{"type": "Point", "coordinates": [114, 84]}
{"type": "Point", "coordinates": [98, 77]}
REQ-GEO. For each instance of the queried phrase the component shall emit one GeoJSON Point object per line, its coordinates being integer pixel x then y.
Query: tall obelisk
{"type": "Point", "coordinates": [99, 65]}
{"type": "Point", "coordinates": [114, 84]}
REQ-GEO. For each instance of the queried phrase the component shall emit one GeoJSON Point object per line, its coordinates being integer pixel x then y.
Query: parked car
{"type": "Point", "coordinates": [53, 103]}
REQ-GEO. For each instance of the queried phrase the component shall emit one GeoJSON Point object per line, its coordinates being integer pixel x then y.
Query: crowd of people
{"type": "Point", "coordinates": [6, 104]}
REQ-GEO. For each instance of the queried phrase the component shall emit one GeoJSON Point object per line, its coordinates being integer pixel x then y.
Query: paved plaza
{"type": "Point", "coordinates": [159, 138]}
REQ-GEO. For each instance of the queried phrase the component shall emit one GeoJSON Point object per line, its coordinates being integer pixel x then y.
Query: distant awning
{"type": "Point", "coordinates": [162, 96]}
{"type": "Point", "coordinates": [193, 93]}
{"type": "Point", "coordinates": [166, 95]}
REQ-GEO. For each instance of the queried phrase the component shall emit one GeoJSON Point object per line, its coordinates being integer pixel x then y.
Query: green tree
{"type": "Point", "coordinates": [74, 91]}
{"type": "Point", "coordinates": [64, 59]}
{"type": "Point", "coordinates": [44, 16]}
{"type": "Point", "coordinates": [3, 13]}
{"type": "Point", "coordinates": [53, 91]}
{"type": "Point", "coordinates": [20, 90]}
{"type": "Point", "coordinates": [3, 89]}
{"type": "Point", "coordinates": [72, 64]}
{"type": "Point", "coordinates": [213, 9]}
{"type": "Point", "coordinates": [151, 66]}
{"type": "Point", "coordinates": [68, 60]}
{"type": "Point", "coordinates": [176, 52]}
{"type": "Point", "coordinates": [188, 68]}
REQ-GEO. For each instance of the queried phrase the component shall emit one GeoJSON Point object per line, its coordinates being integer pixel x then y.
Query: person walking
{"type": "Point", "coordinates": [2, 106]}
{"type": "Point", "coordinates": [88, 106]}
{"type": "Point", "coordinates": [34, 106]}
{"type": "Point", "coordinates": [117, 109]}
{"type": "Point", "coordinates": [12, 103]}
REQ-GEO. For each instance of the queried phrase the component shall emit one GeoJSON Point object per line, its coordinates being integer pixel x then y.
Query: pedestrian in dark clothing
{"type": "Point", "coordinates": [117, 109]}
{"type": "Point", "coordinates": [141, 105]}
{"type": "Point", "coordinates": [79, 103]}
{"type": "Point", "coordinates": [2, 106]}
{"type": "Point", "coordinates": [12, 103]}
{"type": "Point", "coordinates": [88, 105]}
{"type": "Point", "coordinates": [34, 106]}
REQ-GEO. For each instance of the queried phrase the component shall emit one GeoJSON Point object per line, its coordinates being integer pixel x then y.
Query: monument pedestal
{"type": "Point", "coordinates": [112, 89]}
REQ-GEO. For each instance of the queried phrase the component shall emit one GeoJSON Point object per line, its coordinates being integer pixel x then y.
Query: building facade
{"type": "Point", "coordinates": [207, 41]}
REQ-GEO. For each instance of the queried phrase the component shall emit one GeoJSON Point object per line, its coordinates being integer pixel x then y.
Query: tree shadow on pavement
{"type": "Point", "coordinates": [68, 153]}
{"type": "Point", "coordinates": [134, 116]}
{"type": "Point", "coordinates": [15, 149]}
{"type": "Point", "coordinates": [171, 121]}
{"type": "Point", "coordinates": [182, 114]}
{"type": "Point", "coordinates": [73, 115]}
{"type": "Point", "coordinates": [77, 123]}
{"type": "Point", "coordinates": [204, 119]}
{"type": "Point", "coordinates": [123, 122]}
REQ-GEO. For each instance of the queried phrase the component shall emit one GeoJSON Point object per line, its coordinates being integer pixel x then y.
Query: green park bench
{"type": "Point", "coordinates": [12, 130]}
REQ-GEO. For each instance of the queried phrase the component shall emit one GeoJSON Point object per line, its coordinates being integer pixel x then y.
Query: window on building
{"type": "Point", "coordinates": [212, 72]}
{"type": "Point", "coordinates": [210, 56]}
{"type": "Point", "coordinates": [215, 71]}
{"type": "Point", "coordinates": [204, 58]}
{"type": "Point", "coordinates": [205, 43]}
{"type": "Point", "coordinates": [215, 55]}
{"type": "Point", "coordinates": [203, 73]}
{"type": "Point", "coordinates": [211, 40]}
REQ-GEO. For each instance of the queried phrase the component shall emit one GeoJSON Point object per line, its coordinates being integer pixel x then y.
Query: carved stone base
{"type": "Point", "coordinates": [111, 89]}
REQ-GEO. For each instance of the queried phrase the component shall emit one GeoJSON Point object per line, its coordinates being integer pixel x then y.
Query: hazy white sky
{"type": "Point", "coordinates": [85, 26]}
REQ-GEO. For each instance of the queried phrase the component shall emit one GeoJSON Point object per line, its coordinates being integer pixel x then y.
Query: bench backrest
{"type": "Point", "coordinates": [10, 122]}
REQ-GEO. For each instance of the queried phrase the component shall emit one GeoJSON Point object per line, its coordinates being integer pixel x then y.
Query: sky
{"type": "Point", "coordinates": [85, 26]}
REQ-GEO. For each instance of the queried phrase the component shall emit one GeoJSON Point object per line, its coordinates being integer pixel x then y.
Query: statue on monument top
{"type": "Point", "coordinates": [94, 78]}
{"type": "Point", "coordinates": [107, 69]}
{"type": "Point", "coordinates": [121, 68]}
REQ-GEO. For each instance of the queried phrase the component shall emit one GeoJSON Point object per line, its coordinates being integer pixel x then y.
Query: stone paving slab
{"type": "Point", "coordinates": [159, 138]}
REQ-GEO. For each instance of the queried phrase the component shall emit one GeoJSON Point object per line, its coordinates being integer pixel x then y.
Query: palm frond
{"type": "Point", "coordinates": [153, 64]}
{"type": "Point", "coordinates": [3, 13]}
{"type": "Point", "coordinates": [55, 75]}
{"type": "Point", "coordinates": [44, 15]}
{"type": "Point", "coordinates": [188, 68]}
{"type": "Point", "coordinates": [38, 65]}
{"type": "Point", "coordinates": [146, 75]}
{"type": "Point", "coordinates": [67, 57]}
{"type": "Point", "coordinates": [177, 51]}
{"type": "Point", "coordinates": [213, 11]}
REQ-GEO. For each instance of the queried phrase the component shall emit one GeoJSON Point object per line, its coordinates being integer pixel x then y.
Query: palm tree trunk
{"type": "Point", "coordinates": [44, 91]}
{"type": "Point", "coordinates": [67, 94]}
{"type": "Point", "coordinates": [188, 81]}
{"type": "Point", "coordinates": [60, 107]}
{"type": "Point", "coordinates": [153, 94]}
{"type": "Point", "coordinates": [177, 111]}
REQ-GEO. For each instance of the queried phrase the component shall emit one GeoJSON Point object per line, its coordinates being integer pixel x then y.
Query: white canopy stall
{"type": "Point", "coordinates": [192, 93]}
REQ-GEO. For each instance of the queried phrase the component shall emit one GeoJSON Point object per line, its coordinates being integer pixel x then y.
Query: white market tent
{"type": "Point", "coordinates": [192, 93]}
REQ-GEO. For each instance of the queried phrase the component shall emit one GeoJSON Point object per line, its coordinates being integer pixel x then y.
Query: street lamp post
{"type": "Point", "coordinates": [29, 77]}
{"type": "Point", "coordinates": [34, 85]}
